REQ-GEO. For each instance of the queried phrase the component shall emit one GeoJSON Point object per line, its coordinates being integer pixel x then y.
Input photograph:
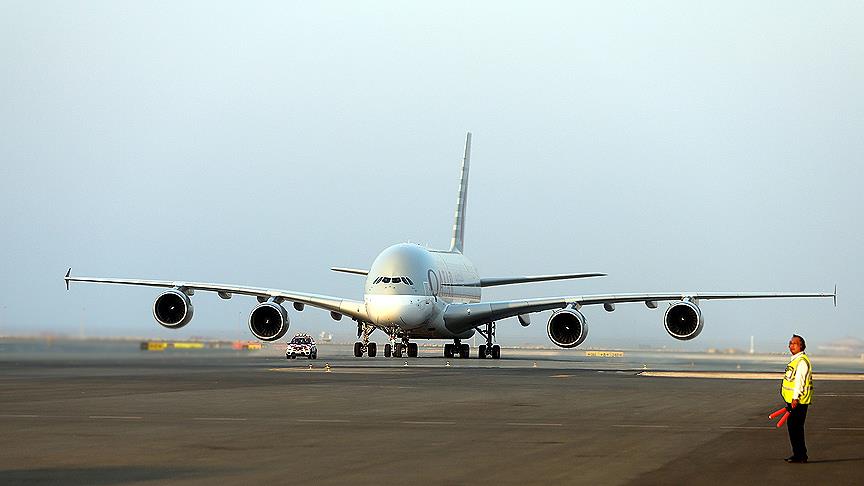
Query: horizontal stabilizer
{"type": "Point", "coordinates": [355, 271]}
{"type": "Point", "coordinates": [492, 282]}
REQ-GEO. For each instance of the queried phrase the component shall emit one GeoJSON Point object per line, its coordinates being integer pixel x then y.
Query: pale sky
{"type": "Point", "coordinates": [677, 146]}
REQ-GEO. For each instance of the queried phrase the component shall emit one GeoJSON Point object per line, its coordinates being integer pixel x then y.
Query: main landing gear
{"type": "Point", "coordinates": [488, 349]}
{"type": "Point", "coordinates": [364, 346]}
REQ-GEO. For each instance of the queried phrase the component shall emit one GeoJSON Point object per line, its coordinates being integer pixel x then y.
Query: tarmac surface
{"type": "Point", "coordinates": [229, 417]}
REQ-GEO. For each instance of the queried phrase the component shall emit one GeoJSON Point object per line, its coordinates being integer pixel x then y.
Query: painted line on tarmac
{"type": "Point", "coordinates": [749, 375]}
{"type": "Point", "coordinates": [845, 428]}
{"type": "Point", "coordinates": [325, 421]}
{"type": "Point", "coordinates": [114, 417]}
{"type": "Point", "coordinates": [221, 419]}
{"type": "Point", "coordinates": [742, 427]}
{"type": "Point", "coordinates": [560, 376]}
{"type": "Point", "coordinates": [845, 395]}
{"type": "Point", "coordinates": [19, 415]}
{"type": "Point", "coordinates": [413, 422]}
{"type": "Point", "coordinates": [532, 424]}
{"type": "Point", "coordinates": [641, 426]}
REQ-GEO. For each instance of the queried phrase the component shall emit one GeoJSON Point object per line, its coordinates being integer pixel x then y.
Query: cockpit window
{"type": "Point", "coordinates": [393, 280]}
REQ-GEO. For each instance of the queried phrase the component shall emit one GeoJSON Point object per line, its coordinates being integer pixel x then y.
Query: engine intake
{"type": "Point", "coordinates": [567, 328]}
{"type": "Point", "coordinates": [173, 309]}
{"type": "Point", "coordinates": [268, 321]}
{"type": "Point", "coordinates": [683, 320]}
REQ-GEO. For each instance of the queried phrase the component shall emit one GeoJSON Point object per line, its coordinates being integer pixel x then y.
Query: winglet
{"type": "Point", "coordinates": [66, 278]}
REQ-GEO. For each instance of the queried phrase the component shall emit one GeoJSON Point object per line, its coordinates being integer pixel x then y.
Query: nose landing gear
{"type": "Point", "coordinates": [451, 350]}
{"type": "Point", "coordinates": [398, 349]}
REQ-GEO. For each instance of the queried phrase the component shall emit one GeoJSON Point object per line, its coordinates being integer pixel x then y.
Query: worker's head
{"type": "Point", "coordinates": [797, 344]}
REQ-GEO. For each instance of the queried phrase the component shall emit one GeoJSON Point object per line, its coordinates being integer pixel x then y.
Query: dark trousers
{"type": "Point", "coordinates": [795, 424]}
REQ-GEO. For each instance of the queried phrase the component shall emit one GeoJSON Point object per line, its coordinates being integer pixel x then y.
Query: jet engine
{"type": "Point", "coordinates": [173, 309]}
{"type": "Point", "coordinates": [268, 321]}
{"type": "Point", "coordinates": [567, 328]}
{"type": "Point", "coordinates": [683, 320]}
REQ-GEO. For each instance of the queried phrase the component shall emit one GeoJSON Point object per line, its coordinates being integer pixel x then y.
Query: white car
{"type": "Point", "coordinates": [301, 345]}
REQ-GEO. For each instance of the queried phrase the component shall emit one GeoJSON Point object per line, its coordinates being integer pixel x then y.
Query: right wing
{"type": "Point", "coordinates": [461, 317]}
{"type": "Point", "coordinates": [352, 308]}
{"type": "Point", "coordinates": [492, 282]}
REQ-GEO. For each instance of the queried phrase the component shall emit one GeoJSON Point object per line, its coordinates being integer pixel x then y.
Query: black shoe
{"type": "Point", "coordinates": [796, 460]}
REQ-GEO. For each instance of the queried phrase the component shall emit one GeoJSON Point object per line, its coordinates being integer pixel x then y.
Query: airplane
{"type": "Point", "coordinates": [413, 292]}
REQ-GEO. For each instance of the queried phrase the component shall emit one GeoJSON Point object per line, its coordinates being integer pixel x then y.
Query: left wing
{"type": "Point", "coordinates": [352, 308]}
{"type": "Point", "coordinates": [466, 316]}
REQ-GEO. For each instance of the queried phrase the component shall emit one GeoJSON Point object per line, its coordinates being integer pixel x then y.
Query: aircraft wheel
{"type": "Point", "coordinates": [388, 350]}
{"type": "Point", "coordinates": [496, 352]}
{"type": "Point", "coordinates": [412, 350]}
{"type": "Point", "coordinates": [448, 350]}
{"type": "Point", "coordinates": [464, 351]}
{"type": "Point", "coordinates": [481, 351]}
{"type": "Point", "coordinates": [358, 349]}
{"type": "Point", "coordinates": [397, 350]}
{"type": "Point", "coordinates": [372, 350]}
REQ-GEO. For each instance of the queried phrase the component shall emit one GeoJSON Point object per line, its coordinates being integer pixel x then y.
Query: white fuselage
{"type": "Point", "coordinates": [409, 287]}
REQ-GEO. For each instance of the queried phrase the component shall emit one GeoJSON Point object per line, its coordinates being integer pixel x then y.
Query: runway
{"type": "Point", "coordinates": [235, 418]}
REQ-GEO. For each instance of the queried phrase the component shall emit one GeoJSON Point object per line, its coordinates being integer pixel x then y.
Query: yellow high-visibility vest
{"type": "Point", "coordinates": [788, 386]}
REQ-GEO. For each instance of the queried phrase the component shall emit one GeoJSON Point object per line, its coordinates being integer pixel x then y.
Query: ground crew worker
{"type": "Point", "coordinates": [797, 391]}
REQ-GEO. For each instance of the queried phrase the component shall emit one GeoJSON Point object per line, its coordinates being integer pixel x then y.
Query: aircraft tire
{"type": "Point", "coordinates": [372, 350]}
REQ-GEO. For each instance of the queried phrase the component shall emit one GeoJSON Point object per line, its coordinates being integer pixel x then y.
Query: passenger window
{"type": "Point", "coordinates": [396, 280]}
{"type": "Point", "coordinates": [385, 280]}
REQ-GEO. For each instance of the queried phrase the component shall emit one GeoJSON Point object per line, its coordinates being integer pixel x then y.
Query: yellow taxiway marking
{"type": "Point", "coordinates": [560, 376]}
{"type": "Point", "coordinates": [334, 369]}
{"type": "Point", "coordinates": [750, 376]}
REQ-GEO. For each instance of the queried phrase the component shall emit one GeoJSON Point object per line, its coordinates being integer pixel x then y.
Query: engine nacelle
{"type": "Point", "coordinates": [268, 321]}
{"type": "Point", "coordinates": [683, 320]}
{"type": "Point", "coordinates": [567, 328]}
{"type": "Point", "coordinates": [173, 309]}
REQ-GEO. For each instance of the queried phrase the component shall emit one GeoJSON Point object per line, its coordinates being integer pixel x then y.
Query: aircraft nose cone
{"type": "Point", "coordinates": [403, 311]}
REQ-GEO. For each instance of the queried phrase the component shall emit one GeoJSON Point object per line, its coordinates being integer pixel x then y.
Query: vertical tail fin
{"type": "Point", "coordinates": [457, 243]}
